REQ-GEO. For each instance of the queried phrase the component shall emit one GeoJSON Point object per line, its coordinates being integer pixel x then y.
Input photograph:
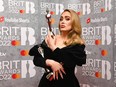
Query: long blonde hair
{"type": "Point", "coordinates": [74, 35]}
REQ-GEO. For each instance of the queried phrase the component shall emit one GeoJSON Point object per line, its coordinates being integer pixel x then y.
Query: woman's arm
{"type": "Point", "coordinates": [38, 60]}
{"type": "Point", "coordinates": [46, 63]}
{"type": "Point", "coordinates": [70, 56]}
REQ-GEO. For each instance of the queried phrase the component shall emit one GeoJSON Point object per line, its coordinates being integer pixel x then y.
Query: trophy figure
{"type": "Point", "coordinates": [49, 76]}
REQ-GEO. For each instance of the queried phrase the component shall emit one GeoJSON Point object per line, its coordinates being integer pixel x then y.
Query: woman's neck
{"type": "Point", "coordinates": [64, 35]}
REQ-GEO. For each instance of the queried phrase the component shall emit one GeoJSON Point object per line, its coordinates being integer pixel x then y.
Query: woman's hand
{"type": "Point", "coordinates": [56, 67]}
{"type": "Point", "coordinates": [50, 41]}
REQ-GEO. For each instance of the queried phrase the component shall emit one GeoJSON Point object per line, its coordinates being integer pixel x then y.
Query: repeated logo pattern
{"type": "Point", "coordinates": [23, 24]}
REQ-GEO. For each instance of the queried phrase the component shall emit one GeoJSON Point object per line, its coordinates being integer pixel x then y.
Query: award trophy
{"type": "Point", "coordinates": [49, 76]}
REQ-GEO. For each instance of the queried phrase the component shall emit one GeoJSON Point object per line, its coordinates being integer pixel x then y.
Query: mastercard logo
{"type": "Point", "coordinates": [2, 19]}
{"type": "Point", "coordinates": [104, 52]}
{"type": "Point", "coordinates": [24, 52]}
{"type": "Point", "coordinates": [79, 13]}
{"type": "Point", "coordinates": [52, 20]}
{"type": "Point", "coordinates": [98, 74]}
{"type": "Point", "coordinates": [52, 12]}
{"type": "Point", "coordinates": [97, 42]}
{"type": "Point", "coordinates": [102, 9]}
{"type": "Point", "coordinates": [15, 43]}
{"type": "Point", "coordinates": [22, 11]}
{"type": "Point", "coordinates": [16, 76]}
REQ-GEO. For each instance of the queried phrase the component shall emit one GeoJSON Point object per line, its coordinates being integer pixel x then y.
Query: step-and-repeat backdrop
{"type": "Point", "coordinates": [23, 24]}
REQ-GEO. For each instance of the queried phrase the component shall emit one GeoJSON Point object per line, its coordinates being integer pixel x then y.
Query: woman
{"type": "Point", "coordinates": [62, 53]}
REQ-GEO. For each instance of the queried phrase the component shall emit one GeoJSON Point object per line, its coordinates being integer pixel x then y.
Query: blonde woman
{"type": "Point", "coordinates": [62, 53]}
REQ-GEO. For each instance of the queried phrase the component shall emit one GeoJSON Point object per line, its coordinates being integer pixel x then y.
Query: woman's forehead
{"type": "Point", "coordinates": [66, 13]}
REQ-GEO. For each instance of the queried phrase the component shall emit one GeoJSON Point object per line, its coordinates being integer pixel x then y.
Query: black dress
{"type": "Point", "coordinates": [70, 56]}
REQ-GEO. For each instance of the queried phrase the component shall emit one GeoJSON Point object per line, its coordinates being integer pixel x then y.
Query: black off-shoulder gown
{"type": "Point", "coordinates": [70, 56]}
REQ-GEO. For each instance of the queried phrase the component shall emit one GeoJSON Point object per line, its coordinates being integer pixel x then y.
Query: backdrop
{"type": "Point", "coordinates": [23, 24]}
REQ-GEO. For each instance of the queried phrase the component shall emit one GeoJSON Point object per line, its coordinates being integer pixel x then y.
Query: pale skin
{"type": "Point", "coordinates": [58, 41]}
